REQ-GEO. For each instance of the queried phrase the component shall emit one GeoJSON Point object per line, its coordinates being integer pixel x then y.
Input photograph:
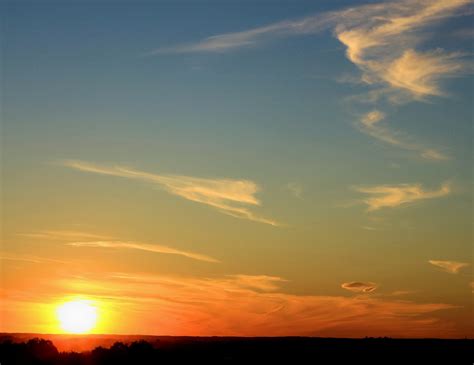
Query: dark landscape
{"type": "Point", "coordinates": [103, 349]}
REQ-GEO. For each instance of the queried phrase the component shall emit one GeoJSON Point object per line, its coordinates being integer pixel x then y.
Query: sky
{"type": "Point", "coordinates": [244, 168]}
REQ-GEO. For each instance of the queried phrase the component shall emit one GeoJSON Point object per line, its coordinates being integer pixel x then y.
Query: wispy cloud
{"type": "Point", "coordinates": [229, 196]}
{"type": "Point", "coordinates": [143, 247]}
{"type": "Point", "coordinates": [258, 282]}
{"type": "Point", "coordinates": [382, 40]}
{"type": "Point", "coordinates": [370, 124]}
{"type": "Point", "coordinates": [391, 196]}
{"type": "Point", "coordinates": [252, 37]}
{"type": "Point", "coordinates": [366, 31]}
{"type": "Point", "coordinates": [248, 305]}
{"type": "Point", "coordinates": [431, 154]}
{"type": "Point", "coordinates": [399, 293]}
{"type": "Point", "coordinates": [359, 287]}
{"type": "Point", "coordinates": [295, 189]}
{"type": "Point", "coordinates": [64, 235]}
{"type": "Point", "coordinates": [85, 239]}
{"type": "Point", "coordinates": [453, 267]}
{"type": "Point", "coordinates": [5, 256]}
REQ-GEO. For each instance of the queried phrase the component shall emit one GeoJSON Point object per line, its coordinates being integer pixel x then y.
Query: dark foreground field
{"type": "Point", "coordinates": [26, 349]}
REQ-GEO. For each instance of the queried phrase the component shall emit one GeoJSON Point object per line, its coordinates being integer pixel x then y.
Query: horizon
{"type": "Point", "coordinates": [83, 343]}
{"type": "Point", "coordinates": [237, 169]}
{"type": "Point", "coordinates": [81, 335]}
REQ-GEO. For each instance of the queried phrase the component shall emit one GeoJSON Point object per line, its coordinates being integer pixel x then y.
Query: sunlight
{"type": "Point", "coordinates": [77, 316]}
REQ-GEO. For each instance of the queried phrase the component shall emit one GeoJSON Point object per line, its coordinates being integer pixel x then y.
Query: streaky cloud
{"type": "Point", "coordinates": [383, 40]}
{"type": "Point", "coordinates": [63, 235]}
{"type": "Point", "coordinates": [86, 239]}
{"type": "Point", "coordinates": [5, 256]}
{"type": "Point", "coordinates": [380, 39]}
{"type": "Point", "coordinates": [247, 305]}
{"type": "Point", "coordinates": [258, 282]}
{"type": "Point", "coordinates": [398, 293]}
{"type": "Point", "coordinates": [229, 196]}
{"type": "Point", "coordinates": [370, 124]}
{"type": "Point", "coordinates": [144, 247]}
{"type": "Point", "coordinates": [231, 41]}
{"type": "Point", "coordinates": [452, 267]}
{"type": "Point", "coordinates": [391, 196]}
{"type": "Point", "coordinates": [431, 154]}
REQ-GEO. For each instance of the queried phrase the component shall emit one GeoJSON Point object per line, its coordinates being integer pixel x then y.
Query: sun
{"type": "Point", "coordinates": [77, 316]}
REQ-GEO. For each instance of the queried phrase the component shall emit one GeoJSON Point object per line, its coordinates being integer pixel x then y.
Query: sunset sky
{"type": "Point", "coordinates": [238, 167]}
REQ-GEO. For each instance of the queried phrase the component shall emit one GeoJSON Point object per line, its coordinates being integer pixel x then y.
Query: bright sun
{"type": "Point", "coordinates": [77, 316]}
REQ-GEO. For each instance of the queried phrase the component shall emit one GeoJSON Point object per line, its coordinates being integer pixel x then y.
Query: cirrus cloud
{"type": "Point", "coordinates": [366, 31]}
{"type": "Point", "coordinates": [78, 239]}
{"type": "Point", "coordinates": [247, 305]}
{"type": "Point", "coordinates": [391, 196]}
{"type": "Point", "coordinates": [229, 196]}
{"type": "Point", "coordinates": [359, 287]}
{"type": "Point", "coordinates": [452, 267]}
{"type": "Point", "coordinates": [143, 247]}
{"type": "Point", "coordinates": [383, 40]}
{"type": "Point", "coordinates": [370, 124]}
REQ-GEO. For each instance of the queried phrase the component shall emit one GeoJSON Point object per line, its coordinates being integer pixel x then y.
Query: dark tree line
{"type": "Point", "coordinates": [43, 352]}
{"type": "Point", "coordinates": [221, 350]}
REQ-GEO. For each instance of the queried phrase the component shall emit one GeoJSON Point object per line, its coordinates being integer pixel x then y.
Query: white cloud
{"type": "Point", "coordinates": [381, 40]}
{"type": "Point", "coordinates": [391, 196]}
{"type": "Point", "coordinates": [453, 267]}
{"type": "Point", "coordinates": [359, 287]}
{"type": "Point", "coordinates": [370, 124]}
{"type": "Point", "coordinates": [229, 196]}
{"type": "Point", "coordinates": [419, 73]}
{"type": "Point", "coordinates": [143, 247]}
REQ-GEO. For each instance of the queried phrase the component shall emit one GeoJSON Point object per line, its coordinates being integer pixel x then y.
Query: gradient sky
{"type": "Point", "coordinates": [239, 167]}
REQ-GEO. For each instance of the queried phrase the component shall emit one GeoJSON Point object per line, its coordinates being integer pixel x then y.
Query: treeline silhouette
{"type": "Point", "coordinates": [229, 350]}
